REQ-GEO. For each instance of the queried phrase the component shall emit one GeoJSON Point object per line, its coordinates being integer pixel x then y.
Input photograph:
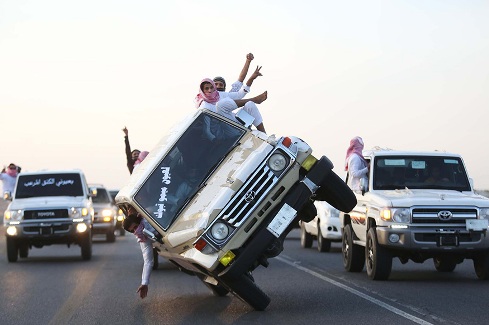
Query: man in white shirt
{"type": "Point", "coordinates": [135, 224]}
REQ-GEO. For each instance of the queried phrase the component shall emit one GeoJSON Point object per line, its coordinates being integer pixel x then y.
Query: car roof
{"type": "Point", "coordinates": [389, 152]}
{"type": "Point", "coordinates": [54, 171]}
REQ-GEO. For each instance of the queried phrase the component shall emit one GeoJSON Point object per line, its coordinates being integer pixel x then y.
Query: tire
{"type": "Point", "coordinates": [444, 264]}
{"type": "Point", "coordinates": [378, 259]}
{"type": "Point", "coordinates": [481, 266]}
{"type": "Point", "coordinates": [110, 236]}
{"type": "Point", "coordinates": [155, 259]}
{"type": "Point", "coordinates": [24, 250]}
{"type": "Point", "coordinates": [122, 232]}
{"type": "Point", "coordinates": [86, 246]}
{"type": "Point", "coordinates": [335, 191]}
{"type": "Point", "coordinates": [324, 245]}
{"type": "Point", "coordinates": [245, 289]}
{"type": "Point", "coordinates": [218, 290]}
{"type": "Point", "coordinates": [12, 250]}
{"type": "Point", "coordinates": [353, 255]}
{"type": "Point", "coordinates": [306, 238]}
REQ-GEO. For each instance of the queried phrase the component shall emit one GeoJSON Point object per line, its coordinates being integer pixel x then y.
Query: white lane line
{"type": "Point", "coordinates": [356, 292]}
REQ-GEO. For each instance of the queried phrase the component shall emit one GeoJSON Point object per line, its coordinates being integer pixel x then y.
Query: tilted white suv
{"type": "Point", "coordinates": [416, 206]}
{"type": "Point", "coordinates": [49, 207]}
{"type": "Point", "coordinates": [223, 197]}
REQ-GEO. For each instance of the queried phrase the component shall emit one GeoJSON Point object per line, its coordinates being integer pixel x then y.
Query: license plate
{"type": "Point", "coordinates": [282, 220]}
{"type": "Point", "coordinates": [447, 240]}
{"type": "Point", "coordinates": [476, 224]}
{"type": "Point", "coordinates": [46, 230]}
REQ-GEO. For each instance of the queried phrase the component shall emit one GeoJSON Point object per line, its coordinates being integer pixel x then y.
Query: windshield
{"type": "Point", "coordinates": [102, 196]}
{"type": "Point", "coordinates": [183, 171]}
{"type": "Point", "coordinates": [418, 172]}
{"type": "Point", "coordinates": [49, 185]}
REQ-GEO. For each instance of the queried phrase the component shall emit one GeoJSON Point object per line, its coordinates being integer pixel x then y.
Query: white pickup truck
{"type": "Point", "coordinates": [415, 206]}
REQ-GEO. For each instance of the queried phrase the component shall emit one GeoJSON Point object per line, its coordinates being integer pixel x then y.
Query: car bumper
{"type": "Point", "coordinates": [295, 198]}
{"type": "Point", "coordinates": [432, 239]}
{"type": "Point", "coordinates": [47, 231]}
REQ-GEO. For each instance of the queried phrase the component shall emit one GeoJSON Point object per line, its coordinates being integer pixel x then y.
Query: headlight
{"type": "Point", "coordinates": [13, 215]}
{"type": "Point", "coordinates": [277, 162]}
{"type": "Point", "coordinates": [484, 213]}
{"type": "Point", "coordinates": [107, 213]}
{"type": "Point", "coordinates": [219, 231]}
{"type": "Point", "coordinates": [78, 212]}
{"type": "Point", "coordinates": [401, 215]}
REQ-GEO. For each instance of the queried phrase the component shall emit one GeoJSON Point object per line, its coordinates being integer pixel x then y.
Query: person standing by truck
{"type": "Point", "coordinates": [355, 164]}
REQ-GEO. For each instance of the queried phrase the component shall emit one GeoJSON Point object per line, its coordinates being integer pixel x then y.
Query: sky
{"type": "Point", "coordinates": [402, 74]}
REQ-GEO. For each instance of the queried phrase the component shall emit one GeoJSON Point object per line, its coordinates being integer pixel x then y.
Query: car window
{"type": "Point", "coordinates": [185, 168]}
{"type": "Point", "coordinates": [66, 184]}
{"type": "Point", "coordinates": [102, 196]}
{"type": "Point", "coordinates": [420, 172]}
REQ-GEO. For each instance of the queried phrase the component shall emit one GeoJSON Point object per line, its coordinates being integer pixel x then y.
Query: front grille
{"type": "Point", "coordinates": [47, 230]}
{"type": "Point", "coordinates": [45, 214]}
{"type": "Point", "coordinates": [251, 194]}
{"type": "Point", "coordinates": [430, 215]}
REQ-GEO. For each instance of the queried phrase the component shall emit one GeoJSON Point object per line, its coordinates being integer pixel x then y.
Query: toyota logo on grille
{"type": "Point", "coordinates": [445, 215]}
{"type": "Point", "coordinates": [250, 196]}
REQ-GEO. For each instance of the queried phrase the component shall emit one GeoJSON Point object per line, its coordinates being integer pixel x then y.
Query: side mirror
{"type": "Point", "coordinates": [152, 236]}
{"type": "Point", "coordinates": [93, 192]}
{"type": "Point", "coordinates": [7, 196]}
{"type": "Point", "coordinates": [244, 118]}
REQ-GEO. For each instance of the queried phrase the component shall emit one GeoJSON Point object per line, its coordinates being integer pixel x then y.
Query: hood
{"type": "Point", "coordinates": [407, 198]}
{"type": "Point", "coordinates": [47, 202]}
{"type": "Point", "coordinates": [220, 188]}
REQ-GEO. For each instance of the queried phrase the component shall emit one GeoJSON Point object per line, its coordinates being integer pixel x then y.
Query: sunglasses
{"type": "Point", "coordinates": [12, 167]}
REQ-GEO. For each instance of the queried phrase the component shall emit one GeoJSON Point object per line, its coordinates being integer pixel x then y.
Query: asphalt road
{"type": "Point", "coordinates": [54, 286]}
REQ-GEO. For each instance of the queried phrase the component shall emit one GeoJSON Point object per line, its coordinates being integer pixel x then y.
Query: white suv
{"type": "Point", "coordinates": [223, 197]}
{"type": "Point", "coordinates": [416, 206]}
{"type": "Point", "coordinates": [325, 227]}
{"type": "Point", "coordinates": [49, 207]}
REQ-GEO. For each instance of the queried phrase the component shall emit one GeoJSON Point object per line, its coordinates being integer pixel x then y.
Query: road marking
{"type": "Point", "coordinates": [373, 300]}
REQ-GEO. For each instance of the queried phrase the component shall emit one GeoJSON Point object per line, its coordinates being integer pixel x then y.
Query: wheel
{"type": "Point", "coordinates": [86, 246]}
{"type": "Point", "coordinates": [306, 238]}
{"type": "Point", "coordinates": [122, 232]}
{"type": "Point", "coordinates": [217, 289]}
{"type": "Point", "coordinates": [481, 266]}
{"type": "Point", "coordinates": [353, 255]}
{"type": "Point", "coordinates": [378, 258]}
{"type": "Point", "coordinates": [324, 245]}
{"type": "Point", "coordinates": [444, 264]}
{"type": "Point", "coordinates": [24, 250]}
{"type": "Point", "coordinates": [245, 289]}
{"type": "Point", "coordinates": [335, 191]}
{"type": "Point", "coordinates": [12, 250]}
{"type": "Point", "coordinates": [155, 259]}
{"type": "Point", "coordinates": [110, 236]}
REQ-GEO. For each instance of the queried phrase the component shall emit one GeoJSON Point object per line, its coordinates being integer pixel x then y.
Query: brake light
{"type": "Point", "coordinates": [287, 142]}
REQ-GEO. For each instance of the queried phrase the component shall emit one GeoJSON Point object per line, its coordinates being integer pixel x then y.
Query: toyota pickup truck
{"type": "Point", "coordinates": [415, 206]}
{"type": "Point", "coordinates": [223, 197]}
{"type": "Point", "coordinates": [49, 207]}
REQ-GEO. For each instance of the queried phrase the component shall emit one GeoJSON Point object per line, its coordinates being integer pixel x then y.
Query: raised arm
{"type": "Point", "coordinates": [255, 75]}
{"type": "Point", "coordinates": [244, 71]}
